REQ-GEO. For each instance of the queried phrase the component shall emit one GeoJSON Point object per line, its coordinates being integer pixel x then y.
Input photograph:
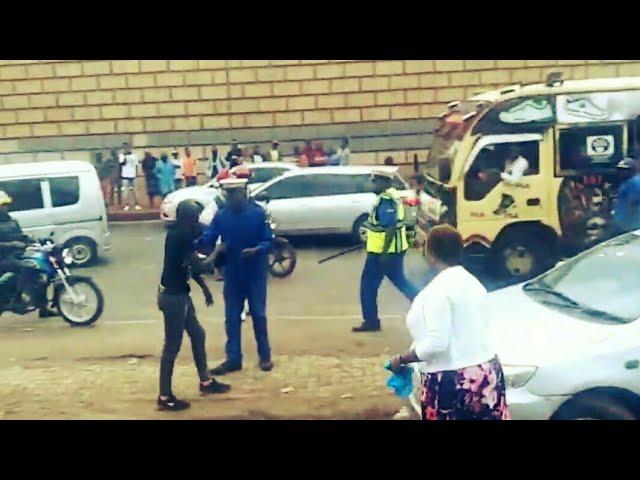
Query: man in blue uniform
{"type": "Point", "coordinates": [387, 244]}
{"type": "Point", "coordinates": [626, 216]}
{"type": "Point", "coordinates": [246, 242]}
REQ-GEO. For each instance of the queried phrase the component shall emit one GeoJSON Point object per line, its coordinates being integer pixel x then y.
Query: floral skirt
{"type": "Point", "coordinates": [471, 393]}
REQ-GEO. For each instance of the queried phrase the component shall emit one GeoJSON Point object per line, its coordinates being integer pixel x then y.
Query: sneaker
{"type": "Point", "coordinates": [266, 365]}
{"type": "Point", "coordinates": [532, 110]}
{"type": "Point", "coordinates": [365, 327]}
{"type": "Point", "coordinates": [225, 367]}
{"type": "Point", "coordinates": [585, 108]}
{"type": "Point", "coordinates": [126, 208]}
{"type": "Point", "coordinates": [172, 404]}
{"type": "Point", "coordinates": [138, 208]}
{"type": "Point", "coordinates": [214, 387]}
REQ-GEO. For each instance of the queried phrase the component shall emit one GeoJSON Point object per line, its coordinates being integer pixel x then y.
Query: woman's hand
{"type": "Point", "coordinates": [396, 363]}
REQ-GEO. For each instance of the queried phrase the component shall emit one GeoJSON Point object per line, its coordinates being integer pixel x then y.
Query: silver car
{"type": "Point", "coordinates": [323, 200]}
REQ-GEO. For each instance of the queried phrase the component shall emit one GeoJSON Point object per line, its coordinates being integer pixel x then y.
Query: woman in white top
{"type": "Point", "coordinates": [461, 376]}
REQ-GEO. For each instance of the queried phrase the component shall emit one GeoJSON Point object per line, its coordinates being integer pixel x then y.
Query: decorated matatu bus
{"type": "Point", "coordinates": [528, 173]}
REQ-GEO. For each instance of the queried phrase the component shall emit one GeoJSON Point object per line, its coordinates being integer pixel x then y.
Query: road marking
{"type": "Point", "coordinates": [281, 317]}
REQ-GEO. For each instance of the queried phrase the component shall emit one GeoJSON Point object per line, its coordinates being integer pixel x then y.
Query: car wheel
{"type": "Point", "coordinates": [594, 407]}
{"type": "Point", "coordinates": [359, 233]}
{"type": "Point", "coordinates": [83, 251]}
{"type": "Point", "coordinates": [521, 255]}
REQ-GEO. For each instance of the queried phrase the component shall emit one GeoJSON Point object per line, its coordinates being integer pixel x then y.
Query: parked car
{"type": "Point", "coordinates": [260, 174]}
{"type": "Point", "coordinates": [569, 340]}
{"type": "Point", "coordinates": [322, 200]}
{"type": "Point", "coordinates": [62, 197]}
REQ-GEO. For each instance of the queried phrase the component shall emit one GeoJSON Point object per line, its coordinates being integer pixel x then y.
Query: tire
{"type": "Point", "coordinates": [358, 233]}
{"type": "Point", "coordinates": [594, 407]}
{"type": "Point", "coordinates": [83, 251]}
{"type": "Point", "coordinates": [282, 260]}
{"type": "Point", "coordinates": [521, 255]}
{"type": "Point", "coordinates": [65, 308]}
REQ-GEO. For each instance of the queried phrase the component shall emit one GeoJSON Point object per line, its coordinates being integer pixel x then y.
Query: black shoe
{"type": "Point", "coordinates": [266, 365]}
{"type": "Point", "coordinates": [225, 367]}
{"type": "Point", "coordinates": [214, 387]}
{"type": "Point", "coordinates": [47, 313]}
{"type": "Point", "coordinates": [365, 327]}
{"type": "Point", "coordinates": [172, 404]}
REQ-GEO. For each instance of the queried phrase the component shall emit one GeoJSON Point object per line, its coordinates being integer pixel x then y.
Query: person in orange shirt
{"type": "Point", "coordinates": [189, 169]}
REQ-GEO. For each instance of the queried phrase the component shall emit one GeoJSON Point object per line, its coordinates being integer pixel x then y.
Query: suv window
{"type": "Point", "coordinates": [65, 191]}
{"type": "Point", "coordinates": [26, 194]}
{"type": "Point", "coordinates": [263, 175]}
{"type": "Point", "coordinates": [290, 187]}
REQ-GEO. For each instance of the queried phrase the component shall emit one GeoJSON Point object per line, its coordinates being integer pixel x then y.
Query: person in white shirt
{"type": "Point", "coordinates": [462, 378]}
{"type": "Point", "coordinates": [344, 152]}
{"type": "Point", "coordinates": [129, 170]}
{"type": "Point", "coordinates": [177, 163]}
{"type": "Point", "coordinates": [515, 167]}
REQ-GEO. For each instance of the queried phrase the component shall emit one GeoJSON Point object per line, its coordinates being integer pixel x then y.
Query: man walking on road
{"type": "Point", "coordinates": [181, 261]}
{"type": "Point", "coordinates": [246, 241]}
{"type": "Point", "coordinates": [386, 247]}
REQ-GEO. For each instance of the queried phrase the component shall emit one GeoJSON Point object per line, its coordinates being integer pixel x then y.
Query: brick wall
{"type": "Point", "coordinates": [137, 98]}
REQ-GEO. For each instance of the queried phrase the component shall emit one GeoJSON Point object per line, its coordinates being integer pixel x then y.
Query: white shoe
{"type": "Point", "coordinates": [532, 110]}
{"type": "Point", "coordinates": [138, 208]}
{"type": "Point", "coordinates": [126, 208]}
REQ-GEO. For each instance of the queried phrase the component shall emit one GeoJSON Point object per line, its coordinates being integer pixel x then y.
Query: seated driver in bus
{"type": "Point", "coordinates": [515, 167]}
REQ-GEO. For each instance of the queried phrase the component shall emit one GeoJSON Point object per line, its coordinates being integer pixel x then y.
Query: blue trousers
{"type": "Point", "coordinates": [238, 288]}
{"type": "Point", "coordinates": [372, 275]}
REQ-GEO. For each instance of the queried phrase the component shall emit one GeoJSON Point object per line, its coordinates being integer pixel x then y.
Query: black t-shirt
{"type": "Point", "coordinates": [178, 248]}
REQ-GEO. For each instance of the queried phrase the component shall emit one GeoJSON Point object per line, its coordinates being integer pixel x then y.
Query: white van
{"type": "Point", "coordinates": [63, 198]}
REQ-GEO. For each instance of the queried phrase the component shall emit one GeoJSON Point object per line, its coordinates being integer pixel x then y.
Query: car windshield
{"type": "Point", "coordinates": [601, 284]}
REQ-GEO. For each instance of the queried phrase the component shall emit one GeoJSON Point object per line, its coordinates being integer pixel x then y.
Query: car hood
{"type": "Point", "coordinates": [525, 332]}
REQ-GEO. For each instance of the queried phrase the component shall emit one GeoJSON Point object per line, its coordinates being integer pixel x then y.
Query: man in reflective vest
{"type": "Point", "coordinates": [386, 246]}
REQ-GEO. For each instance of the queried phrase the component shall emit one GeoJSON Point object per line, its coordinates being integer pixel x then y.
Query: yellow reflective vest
{"type": "Point", "coordinates": [376, 233]}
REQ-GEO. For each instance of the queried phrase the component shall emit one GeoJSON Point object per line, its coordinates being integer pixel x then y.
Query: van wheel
{"type": "Point", "coordinates": [521, 255]}
{"type": "Point", "coordinates": [359, 233]}
{"type": "Point", "coordinates": [594, 407]}
{"type": "Point", "coordinates": [83, 251]}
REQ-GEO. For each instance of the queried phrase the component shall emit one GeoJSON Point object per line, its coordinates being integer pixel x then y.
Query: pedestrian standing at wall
{"type": "Point", "coordinates": [214, 163]}
{"type": "Point", "coordinates": [257, 156]}
{"type": "Point", "coordinates": [116, 179]}
{"type": "Point", "coordinates": [189, 169]}
{"type": "Point", "coordinates": [149, 163]}
{"type": "Point", "coordinates": [234, 150]}
{"type": "Point", "coordinates": [388, 161]}
{"type": "Point", "coordinates": [274, 153]}
{"type": "Point", "coordinates": [166, 172]}
{"type": "Point", "coordinates": [344, 153]}
{"type": "Point", "coordinates": [177, 163]}
{"type": "Point", "coordinates": [181, 262]}
{"type": "Point", "coordinates": [129, 162]}
{"type": "Point", "coordinates": [106, 171]}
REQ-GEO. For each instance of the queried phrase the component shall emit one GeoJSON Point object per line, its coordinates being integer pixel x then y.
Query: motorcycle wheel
{"type": "Point", "coordinates": [282, 260]}
{"type": "Point", "coordinates": [87, 306]}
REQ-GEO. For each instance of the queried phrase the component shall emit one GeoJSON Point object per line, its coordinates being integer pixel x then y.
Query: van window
{"type": "Point", "coordinates": [290, 187]}
{"type": "Point", "coordinates": [484, 174]}
{"type": "Point", "coordinates": [26, 194]}
{"type": "Point", "coordinates": [593, 147]}
{"type": "Point", "coordinates": [65, 191]}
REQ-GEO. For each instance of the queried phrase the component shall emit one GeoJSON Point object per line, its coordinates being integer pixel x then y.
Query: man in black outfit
{"type": "Point", "coordinates": [181, 262]}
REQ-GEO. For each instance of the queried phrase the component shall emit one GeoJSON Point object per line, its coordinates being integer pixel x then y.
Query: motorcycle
{"type": "Point", "coordinates": [282, 258]}
{"type": "Point", "coordinates": [78, 300]}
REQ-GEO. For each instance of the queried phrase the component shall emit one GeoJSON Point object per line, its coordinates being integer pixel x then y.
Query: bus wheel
{"type": "Point", "coordinates": [520, 255]}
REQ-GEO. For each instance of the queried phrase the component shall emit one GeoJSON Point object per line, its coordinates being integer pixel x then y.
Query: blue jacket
{"type": "Point", "coordinates": [247, 229]}
{"type": "Point", "coordinates": [627, 210]}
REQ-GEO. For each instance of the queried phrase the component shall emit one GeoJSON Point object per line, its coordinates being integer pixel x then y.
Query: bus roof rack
{"type": "Point", "coordinates": [453, 104]}
{"type": "Point", "coordinates": [510, 89]}
{"type": "Point", "coordinates": [554, 79]}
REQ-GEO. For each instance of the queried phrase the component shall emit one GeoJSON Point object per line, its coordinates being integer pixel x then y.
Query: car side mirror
{"type": "Point", "coordinates": [262, 197]}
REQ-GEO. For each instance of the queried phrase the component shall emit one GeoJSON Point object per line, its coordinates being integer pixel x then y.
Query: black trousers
{"type": "Point", "coordinates": [27, 280]}
{"type": "Point", "coordinates": [180, 315]}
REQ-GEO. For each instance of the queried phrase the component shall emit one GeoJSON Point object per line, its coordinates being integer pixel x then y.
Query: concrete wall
{"type": "Point", "coordinates": [74, 108]}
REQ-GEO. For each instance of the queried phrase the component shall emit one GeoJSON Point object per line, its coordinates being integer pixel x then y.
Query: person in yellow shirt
{"type": "Point", "coordinates": [189, 169]}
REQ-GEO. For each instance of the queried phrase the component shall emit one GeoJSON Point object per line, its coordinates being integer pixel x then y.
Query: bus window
{"type": "Point", "coordinates": [592, 147]}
